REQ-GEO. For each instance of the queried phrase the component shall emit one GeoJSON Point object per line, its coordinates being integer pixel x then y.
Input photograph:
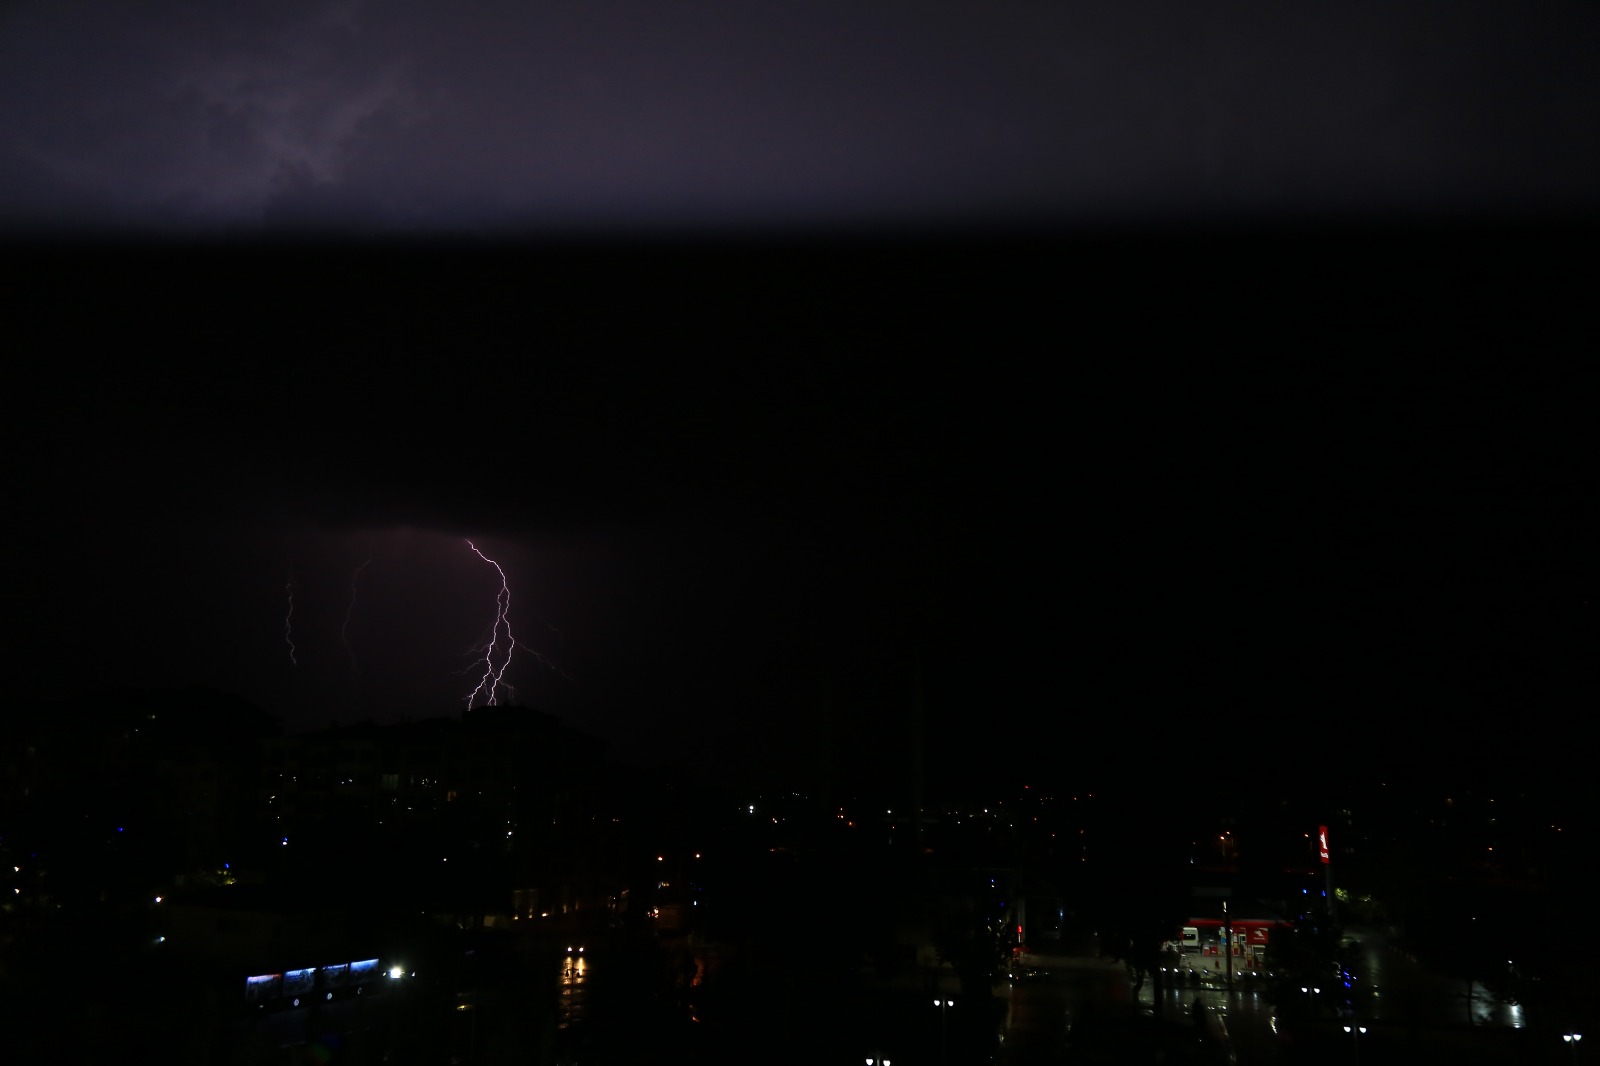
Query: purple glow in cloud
{"type": "Point", "coordinates": [344, 630]}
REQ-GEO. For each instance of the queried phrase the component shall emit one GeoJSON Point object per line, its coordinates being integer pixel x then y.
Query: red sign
{"type": "Point", "coordinates": [1258, 934]}
{"type": "Point", "coordinates": [1322, 842]}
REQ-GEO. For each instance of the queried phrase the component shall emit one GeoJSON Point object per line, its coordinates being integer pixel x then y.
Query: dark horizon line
{"type": "Point", "coordinates": [1002, 229]}
{"type": "Point", "coordinates": [1122, 775]}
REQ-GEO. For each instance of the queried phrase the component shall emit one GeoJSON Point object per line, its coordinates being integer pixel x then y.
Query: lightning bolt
{"type": "Point", "coordinates": [491, 680]}
{"type": "Point", "coordinates": [344, 630]}
{"type": "Point", "coordinates": [288, 621]}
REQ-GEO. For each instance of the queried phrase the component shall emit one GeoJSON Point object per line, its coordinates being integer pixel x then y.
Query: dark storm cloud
{"type": "Point", "coordinates": [171, 112]}
{"type": "Point", "coordinates": [497, 114]}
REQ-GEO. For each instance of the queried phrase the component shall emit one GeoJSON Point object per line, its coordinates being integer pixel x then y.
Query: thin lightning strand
{"type": "Point", "coordinates": [288, 622]}
{"type": "Point", "coordinates": [491, 679]}
{"type": "Point", "coordinates": [344, 630]}
{"type": "Point", "coordinates": [561, 644]}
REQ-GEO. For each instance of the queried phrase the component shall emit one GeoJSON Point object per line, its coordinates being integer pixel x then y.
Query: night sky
{"type": "Point", "coordinates": [616, 113]}
{"type": "Point", "coordinates": [1138, 386]}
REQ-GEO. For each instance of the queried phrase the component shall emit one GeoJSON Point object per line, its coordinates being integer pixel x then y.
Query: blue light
{"type": "Point", "coordinates": [225, 866]}
{"type": "Point", "coordinates": [119, 828]}
{"type": "Point", "coordinates": [1324, 893]}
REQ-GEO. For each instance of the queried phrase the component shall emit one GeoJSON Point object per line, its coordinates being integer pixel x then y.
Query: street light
{"type": "Point", "coordinates": [1571, 1040]}
{"type": "Point", "coordinates": [943, 1005]}
{"type": "Point", "coordinates": [1356, 1032]}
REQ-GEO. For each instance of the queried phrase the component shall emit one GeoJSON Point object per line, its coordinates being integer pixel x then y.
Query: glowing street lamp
{"type": "Point", "coordinates": [1571, 1040]}
{"type": "Point", "coordinates": [1356, 1033]}
{"type": "Point", "coordinates": [944, 1005]}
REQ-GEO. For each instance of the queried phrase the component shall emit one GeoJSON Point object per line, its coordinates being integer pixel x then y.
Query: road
{"type": "Point", "coordinates": [1403, 991]}
{"type": "Point", "coordinates": [1085, 1009]}
{"type": "Point", "coordinates": [1079, 1009]}
{"type": "Point", "coordinates": [1041, 1013]}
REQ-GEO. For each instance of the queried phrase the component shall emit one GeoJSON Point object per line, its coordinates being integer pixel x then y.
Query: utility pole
{"type": "Point", "coordinates": [1227, 943]}
{"type": "Point", "coordinates": [917, 709]}
{"type": "Point", "coordinates": [827, 751]}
